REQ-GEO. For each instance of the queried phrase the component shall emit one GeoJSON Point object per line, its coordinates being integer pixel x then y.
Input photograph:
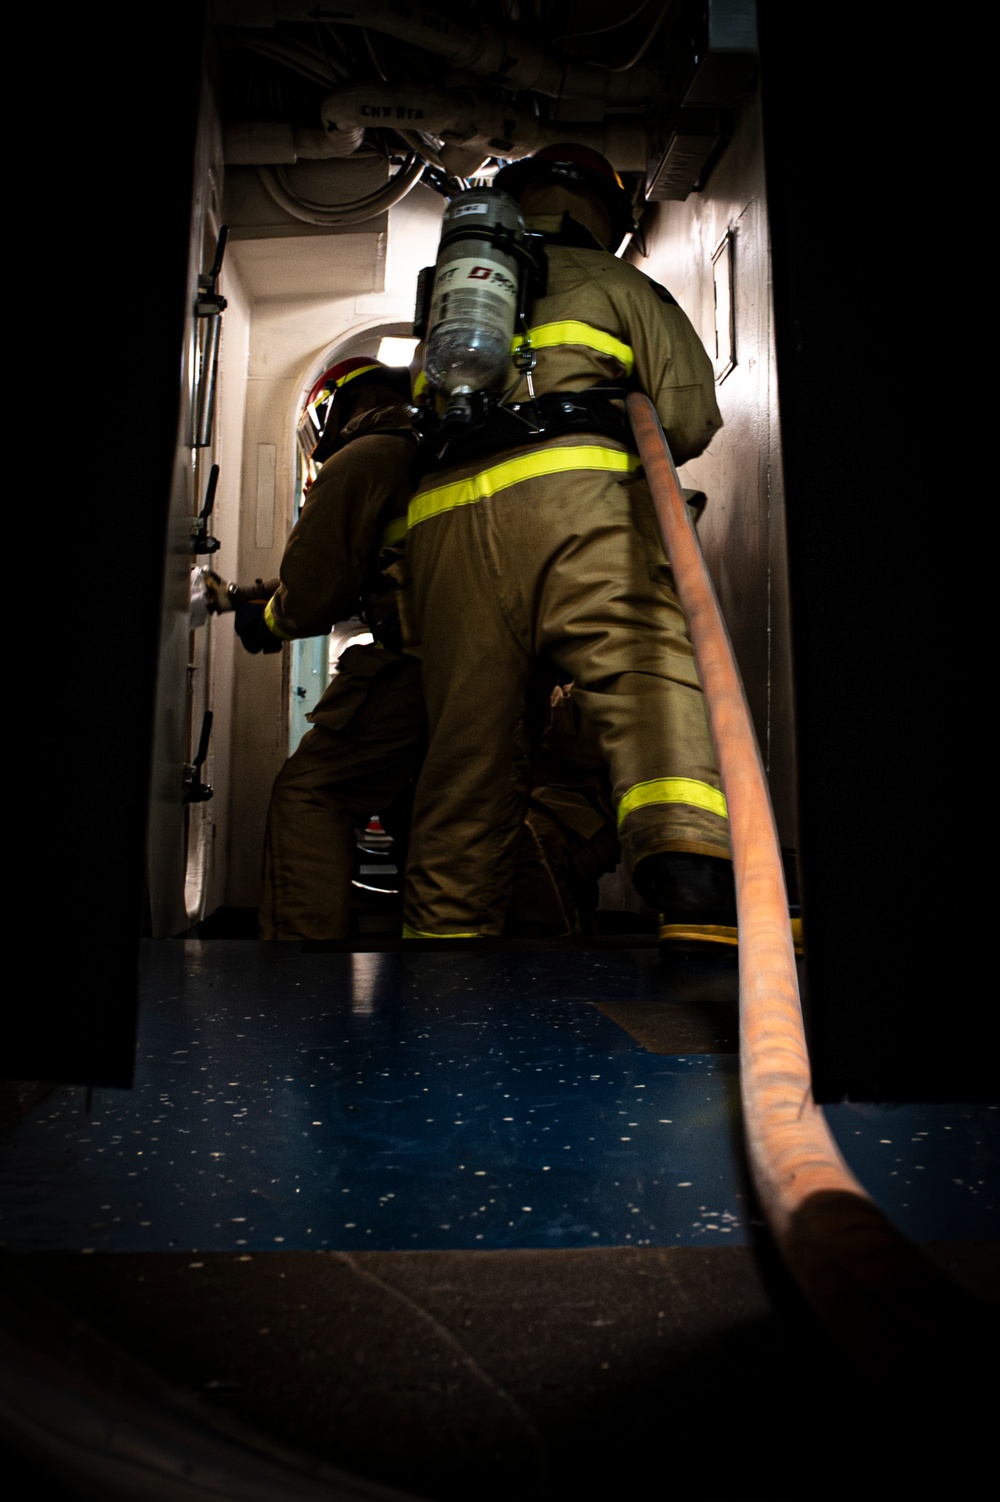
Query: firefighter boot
{"type": "Point", "coordinates": [695, 896]}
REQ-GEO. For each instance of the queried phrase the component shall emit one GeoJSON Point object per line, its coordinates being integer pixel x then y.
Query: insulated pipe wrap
{"type": "Point", "coordinates": [475, 122]}
{"type": "Point", "coordinates": [266, 144]}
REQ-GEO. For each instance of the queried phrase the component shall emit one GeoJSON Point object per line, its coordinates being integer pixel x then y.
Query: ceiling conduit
{"type": "Point", "coordinates": [266, 143]}
{"type": "Point", "coordinates": [475, 122]}
{"type": "Point", "coordinates": [503, 57]}
{"type": "Point", "coordinates": [354, 211]}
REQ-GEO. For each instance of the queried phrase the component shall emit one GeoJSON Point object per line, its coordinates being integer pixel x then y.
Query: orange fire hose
{"type": "Point", "coordinates": [867, 1284]}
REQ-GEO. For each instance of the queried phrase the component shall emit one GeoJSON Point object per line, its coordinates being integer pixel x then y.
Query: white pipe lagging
{"type": "Point", "coordinates": [476, 123]}
{"type": "Point", "coordinates": [255, 143]}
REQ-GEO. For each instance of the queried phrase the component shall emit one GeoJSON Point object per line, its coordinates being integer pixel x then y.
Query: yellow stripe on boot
{"type": "Point", "coordinates": [709, 936]}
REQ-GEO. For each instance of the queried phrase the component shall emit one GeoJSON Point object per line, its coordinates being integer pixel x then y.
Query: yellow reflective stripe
{"type": "Point", "coordinates": [549, 335]}
{"type": "Point", "coordinates": [394, 532]}
{"type": "Point", "coordinates": [416, 933]}
{"type": "Point", "coordinates": [325, 393]}
{"type": "Point", "coordinates": [709, 933]}
{"type": "Point", "coordinates": [352, 375]}
{"type": "Point", "coordinates": [550, 461]}
{"type": "Point", "coordinates": [269, 621]}
{"type": "Point", "coordinates": [718, 934]}
{"type": "Point", "coordinates": [673, 790]}
{"type": "Point", "coordinates": [420, 384]}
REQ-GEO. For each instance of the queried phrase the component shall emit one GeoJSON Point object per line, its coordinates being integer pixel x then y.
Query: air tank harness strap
{"type": "Point", "coordinates": [515, 424]}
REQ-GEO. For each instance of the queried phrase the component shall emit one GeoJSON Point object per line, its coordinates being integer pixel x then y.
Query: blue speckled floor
{"type": "Point", "coordinates": [432, 1101]}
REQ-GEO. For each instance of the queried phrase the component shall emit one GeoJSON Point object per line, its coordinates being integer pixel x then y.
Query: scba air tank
{"type": "Point", "coordinates": [476, 296]}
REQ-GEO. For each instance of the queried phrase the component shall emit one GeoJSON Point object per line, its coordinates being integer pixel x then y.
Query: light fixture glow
{"type": "Point", "coordinates": [396, 351]}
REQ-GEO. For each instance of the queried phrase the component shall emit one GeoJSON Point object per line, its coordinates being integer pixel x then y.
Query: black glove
{"type": "Point", "coordinates": [252, 629]}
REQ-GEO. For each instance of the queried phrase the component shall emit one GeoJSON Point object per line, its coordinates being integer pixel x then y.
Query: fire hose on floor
{"type": "Point", "coordinates": [876, 1294]}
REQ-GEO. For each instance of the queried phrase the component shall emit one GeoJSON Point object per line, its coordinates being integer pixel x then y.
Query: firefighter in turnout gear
{"type": "Point", "coordinates": [534, 538]}
{"type": "Point", "coordinates": [364, 754]}
{"type": "Point", "coordinates": [368, 738]}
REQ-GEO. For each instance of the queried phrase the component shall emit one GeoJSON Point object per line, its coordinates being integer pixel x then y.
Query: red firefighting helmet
{"type": "Point", "coordinates": [344, 380]}
{"type": "Point", "coordinates": [338, 389]}
{"type": "Point", "coordinates": [573, 166]}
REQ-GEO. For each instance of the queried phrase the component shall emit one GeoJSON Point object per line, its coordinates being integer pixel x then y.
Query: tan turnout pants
{"type": "Point", "coordinates": [567, 567]}
{"type": "Point", "coordinates": [367, 744]}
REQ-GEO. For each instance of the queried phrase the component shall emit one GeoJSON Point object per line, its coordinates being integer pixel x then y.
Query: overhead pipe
{"type": "Point", "coordinates": [876, 1294]}
{"type": "Point", "coordinates": [265, 143]}
{"type": "Point", "coordinates": [477, 123]}
{"type": "Point", "coordinates": [453, 160]}
{"type": "Point", "coordinates": [504, 57]}
{"type": "Point", "coordinates": [292, 201]}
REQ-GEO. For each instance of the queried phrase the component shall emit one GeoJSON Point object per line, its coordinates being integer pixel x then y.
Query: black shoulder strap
{"type": "Point", "coordinates": [661, 292]}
